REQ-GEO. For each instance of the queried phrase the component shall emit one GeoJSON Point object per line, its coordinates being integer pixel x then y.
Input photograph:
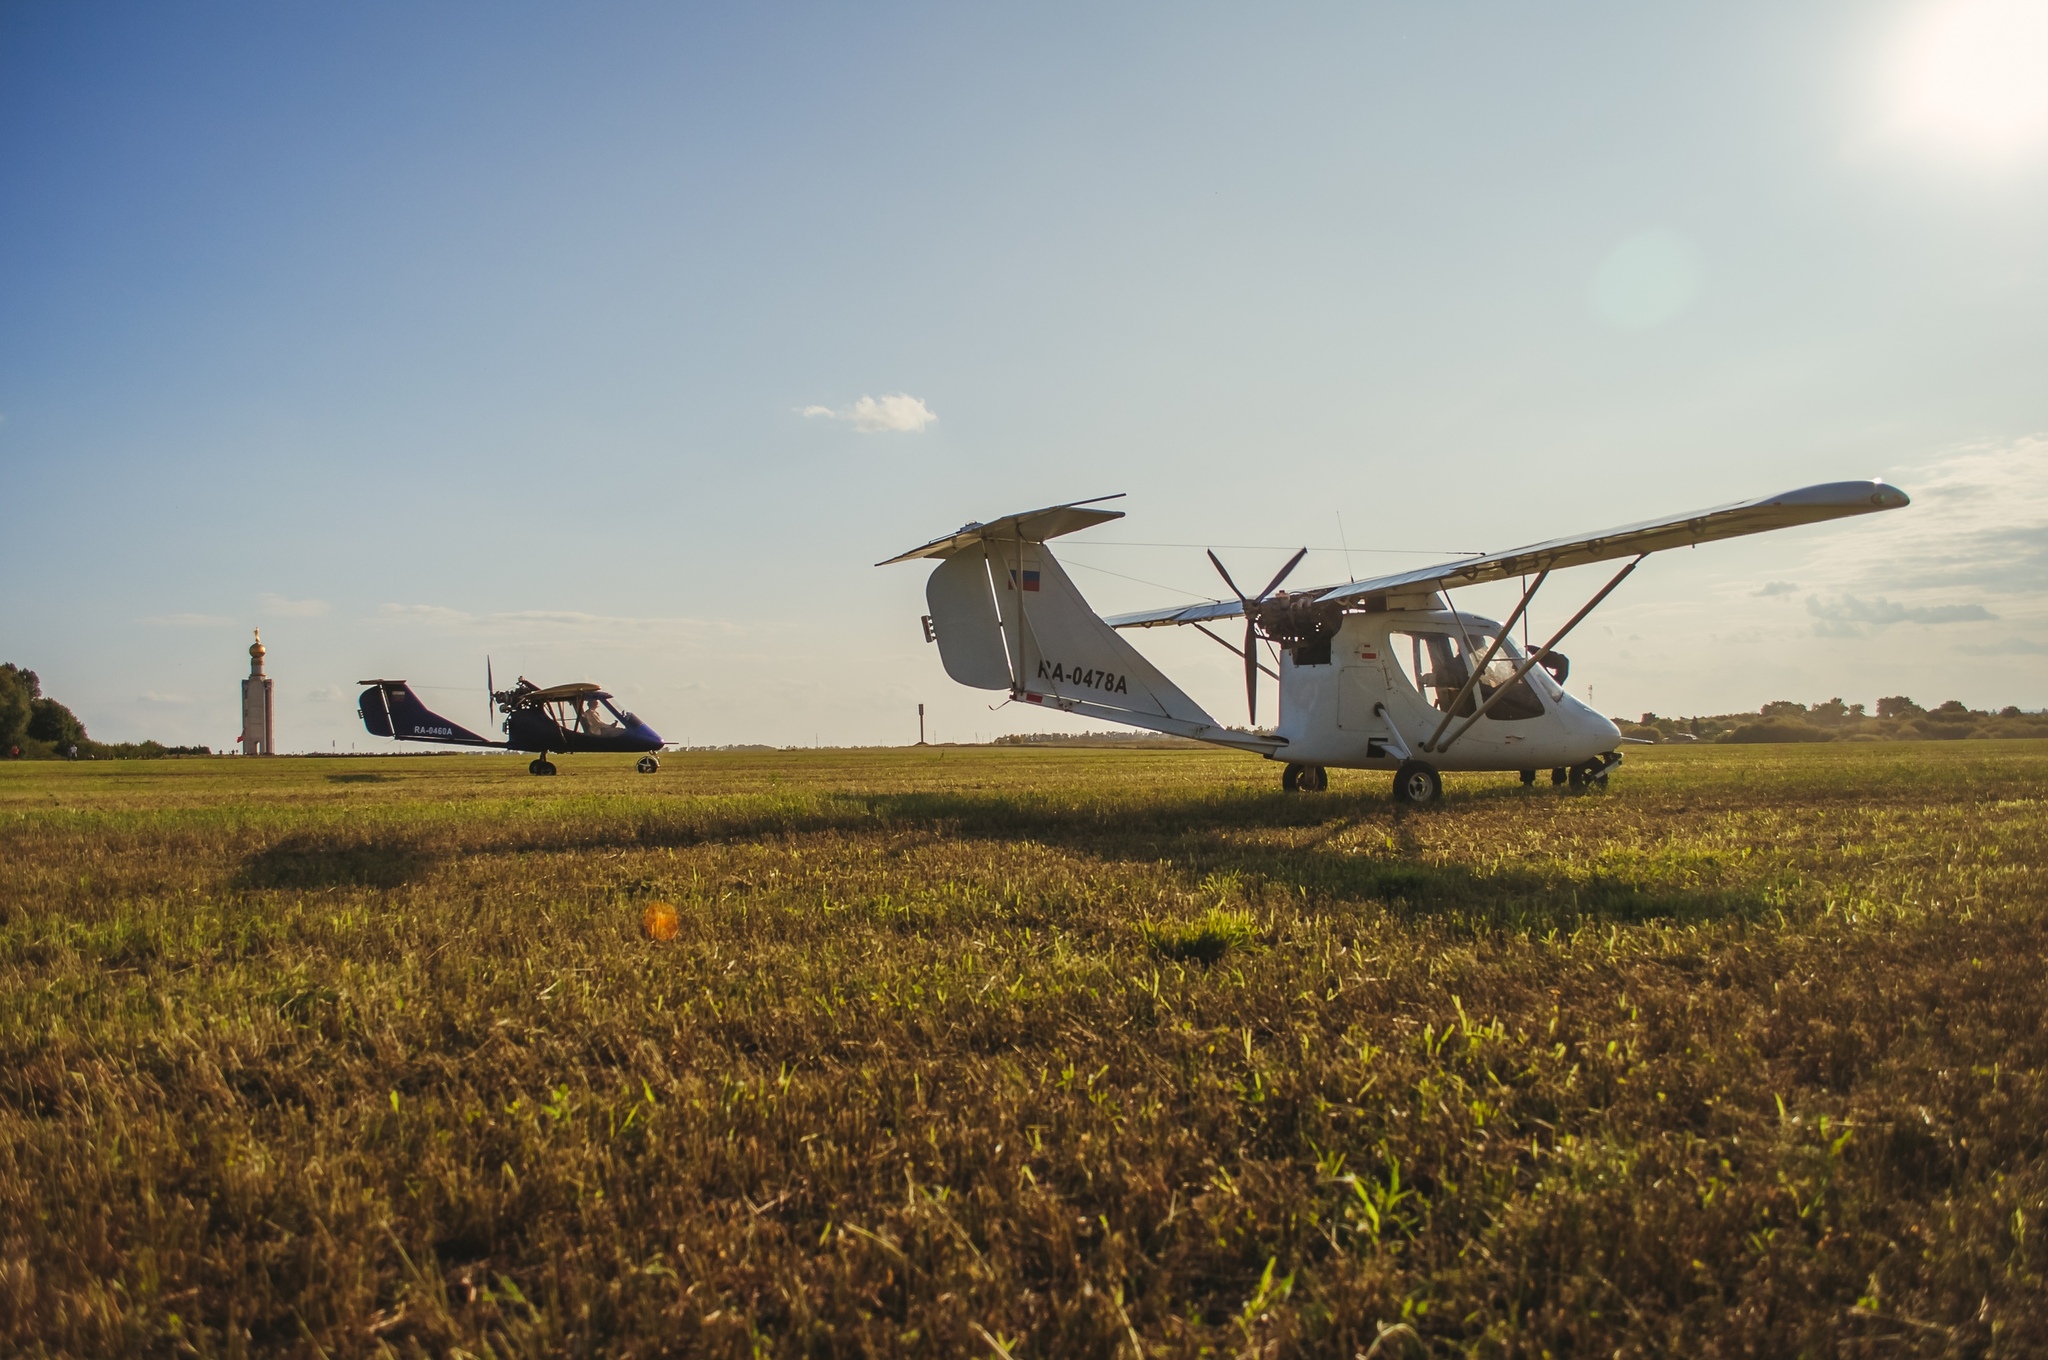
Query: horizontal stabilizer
{"type": "Point", "coordinates": [389, 708]}
{"type": "Point", "coordinates": [1033, 526]}
{"type": "Point", "coordinates": [1808, 505]}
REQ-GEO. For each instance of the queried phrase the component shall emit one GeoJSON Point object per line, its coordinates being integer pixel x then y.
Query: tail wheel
{"type": "Point", "coordinates": [1304, 779]}
{"type": "Point", "coordinates": [1417, 784]}
{"type": "Point", "coordinates": [541, 765]}
{"type": "Point", "coordinates": [648, 765]}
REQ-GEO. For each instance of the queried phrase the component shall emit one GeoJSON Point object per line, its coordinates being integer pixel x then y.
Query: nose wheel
{"type": "Point", "coordinates": [648, 765]}
{"type": "Point", "coordinates": [1304, 779]}
{"type": "Point", "coordinates": [541, 765]}
{"type": "Point", "coordinates": [1591, 775]}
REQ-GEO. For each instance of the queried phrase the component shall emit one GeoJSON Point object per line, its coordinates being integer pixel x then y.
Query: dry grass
{"type": "Point", "coordinates": [1044, 1052]}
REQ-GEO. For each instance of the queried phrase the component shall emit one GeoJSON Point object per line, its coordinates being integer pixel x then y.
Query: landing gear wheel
{"type": "Point", "coordinates": [541, 765]}
{"type": "Point", "coordinates": [1417, 784]}
{"type": "Point", "coordinates": [1559, 775]}
{"type": "Point", "coordinates": [648, 765]}
{"type": "Point", "coordinates": [1528, 778]}
{"type": "Point", "coordinates": [1304, 778]}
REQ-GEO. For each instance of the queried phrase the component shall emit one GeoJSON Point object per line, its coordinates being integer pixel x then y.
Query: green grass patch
{"type": "Point", "coordinates": [1205, 939]}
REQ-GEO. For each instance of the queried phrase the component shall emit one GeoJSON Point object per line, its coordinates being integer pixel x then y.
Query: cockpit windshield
{"type": "Point", "coordinates": [1438, 664]}
{"type": "Point", "coordinates": [591, 714]}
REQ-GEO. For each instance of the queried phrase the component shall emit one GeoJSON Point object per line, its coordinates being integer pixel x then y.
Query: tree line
{"type": "Point", "coordinates": [1897, 718]}
{"type": "Point", "coordinates": [35, 726]}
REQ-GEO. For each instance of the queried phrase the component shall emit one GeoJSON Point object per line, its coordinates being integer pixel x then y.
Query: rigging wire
{"type": "Point", "coordinates": [1088, 566]}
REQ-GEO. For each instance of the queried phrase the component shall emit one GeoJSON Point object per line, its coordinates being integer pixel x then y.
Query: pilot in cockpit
{"type": "Point", "coordinates": [591, 720]}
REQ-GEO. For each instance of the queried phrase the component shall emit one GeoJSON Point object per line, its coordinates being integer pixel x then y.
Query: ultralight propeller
{"type": "Point", "coordinates": [1251, 627]}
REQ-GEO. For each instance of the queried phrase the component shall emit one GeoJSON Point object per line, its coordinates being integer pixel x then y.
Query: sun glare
{"type": "Point", "coordinates": [1971, 76]}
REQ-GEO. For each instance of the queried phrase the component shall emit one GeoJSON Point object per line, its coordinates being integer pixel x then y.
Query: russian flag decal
{"type": "Point", "coordinates": [1030, 579]}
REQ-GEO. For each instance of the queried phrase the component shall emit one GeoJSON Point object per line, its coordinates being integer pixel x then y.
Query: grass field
{"type": "Point", "coordinates": [1036, 1053]}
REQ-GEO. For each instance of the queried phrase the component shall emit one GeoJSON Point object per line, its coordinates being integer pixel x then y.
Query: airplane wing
{"type": "Point", "coordinates": [1808, 505]}
{"type": "Point", "coordinates": [576, 690]}
{"type": "Point", "coordinates": [1033, 526]}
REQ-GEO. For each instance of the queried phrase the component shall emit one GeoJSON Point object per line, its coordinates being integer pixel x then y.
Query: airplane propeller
{"type": "Point", "coordinates": [490, 686]}
{"type": "Point", "coordinates": [1251, 627]}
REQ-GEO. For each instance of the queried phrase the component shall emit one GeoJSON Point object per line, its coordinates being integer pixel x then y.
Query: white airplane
{"type": "Point", "coordinates": [1380, 674]}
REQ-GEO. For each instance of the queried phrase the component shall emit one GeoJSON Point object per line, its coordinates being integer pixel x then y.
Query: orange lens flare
{"type": "Point", "coordinates": [660, 922]}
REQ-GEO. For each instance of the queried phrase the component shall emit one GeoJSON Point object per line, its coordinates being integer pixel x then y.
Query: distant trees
{"type": "Point", "coordinates": [1897, 719]}
{"type": "Point", "coordinates": [52, 722]}
{"type": "Point", "coordinates": [27, 714]}
{"type": "Point", "coordinates": [19, 690]}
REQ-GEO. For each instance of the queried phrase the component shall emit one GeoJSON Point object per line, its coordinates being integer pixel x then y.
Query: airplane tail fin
{"type": "Point", "coordinates": [1006, 616]}
{"type": "Point", "coordinates": [389, 708]}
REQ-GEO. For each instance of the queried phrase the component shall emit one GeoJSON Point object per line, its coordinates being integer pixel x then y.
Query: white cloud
{"type": "Point", "coordinates": [153, 697]}
{"type": "Point", "coordinates": [1850, 616]}
{"type": "Point", "coordinates": [277, 606]}
{"type": "Point", "coordinates": [1778, 588]}
{"type": "Point", "coordinates": [894, 413]}
{"type": "Point", "coordinates": [1977, 529]}
{"type": "Point", "coordinates": [1972, 548]}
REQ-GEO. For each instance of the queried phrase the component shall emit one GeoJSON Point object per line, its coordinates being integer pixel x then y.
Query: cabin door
{"type": "Point", "coordinates": [1362, 691]}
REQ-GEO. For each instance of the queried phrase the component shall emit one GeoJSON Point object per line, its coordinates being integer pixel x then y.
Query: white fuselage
{"type": "Point", "coordinates": [1378, 693]}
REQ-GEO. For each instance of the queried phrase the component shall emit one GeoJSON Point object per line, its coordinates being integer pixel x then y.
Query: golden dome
{"type": "Point", "coordinates": [256, 648]}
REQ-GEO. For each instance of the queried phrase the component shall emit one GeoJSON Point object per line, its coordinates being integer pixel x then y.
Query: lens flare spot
{"type": "Point", "coordinates": [660, 922]}
{"type": "Point", "coordinates": [1647, 280]}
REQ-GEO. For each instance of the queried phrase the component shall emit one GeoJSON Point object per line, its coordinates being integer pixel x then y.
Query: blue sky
{"type": "Point", "coordinates": [414, 335]}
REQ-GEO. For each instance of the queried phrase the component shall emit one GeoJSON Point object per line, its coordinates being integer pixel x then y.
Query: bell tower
{"type": "Point", "coordinates": [258, 716]}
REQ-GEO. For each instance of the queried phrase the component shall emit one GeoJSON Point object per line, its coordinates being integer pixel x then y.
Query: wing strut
{"type": "Point", "coordinates": [1536, 658]}
{"type": "Point", "coordinates": [1231, 647]}
{"type": "Point", "coordinates": [1472, 680]}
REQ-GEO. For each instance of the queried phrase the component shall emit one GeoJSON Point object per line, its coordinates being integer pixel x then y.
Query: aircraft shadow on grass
{"type": "Point", "coordinates": [1199, 836]}
{"type": "Point", "coordinates": [310, 861]}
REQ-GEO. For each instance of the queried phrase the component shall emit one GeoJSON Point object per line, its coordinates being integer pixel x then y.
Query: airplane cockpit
{"type": "Point", "coordinates": [1438, 663]}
